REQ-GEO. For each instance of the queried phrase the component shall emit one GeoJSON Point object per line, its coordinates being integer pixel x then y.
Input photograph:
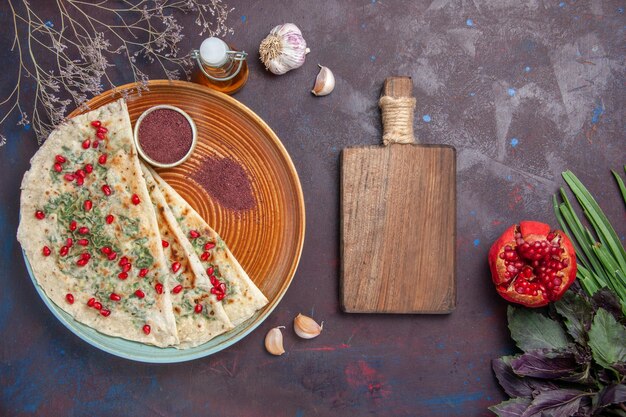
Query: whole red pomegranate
{"type": "Point", "coordinates": [531, 264]}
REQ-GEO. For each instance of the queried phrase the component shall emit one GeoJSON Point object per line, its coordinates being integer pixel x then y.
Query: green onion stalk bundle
{"type": "Point", "coordinates": [601, 255]}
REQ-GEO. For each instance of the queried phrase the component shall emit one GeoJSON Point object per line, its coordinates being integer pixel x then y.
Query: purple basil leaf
{"type": "Point", "coordinates": [583, 376]}
{"type": "Point", "coordinates": [614, 394]}
{"type": "Point", "coordinates": [585, 409]}
{"type": "Point", "coordinates": [532, 330]}
{"type": "Point", "coordinates": [511, 408]}
{"type": "Point", "coordinates": [621, 368]}
{"type": "Point", "coordinates": [605, 376]}
{"type": "Point", "coordinates": [515, 385]}
{"type": "Point", "coordinates": [577, 314]}
{"type": "Point", "coordinates": [556, 403]}
{"type": "Point", "coordinates": [583, 354]}
{"type": "Point", "coordinates": [607, 300]}
{"type": "Point", "coordinates": [550, 364]}
{"type": "Point", "coordinates": [544, 363]}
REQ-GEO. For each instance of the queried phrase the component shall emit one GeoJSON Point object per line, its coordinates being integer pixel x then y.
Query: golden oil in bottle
{"type": "Point", "coordinates": [219, 67]}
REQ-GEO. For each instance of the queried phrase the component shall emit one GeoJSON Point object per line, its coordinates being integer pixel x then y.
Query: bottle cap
{"type": "Point", "coordinates": [213, 52]}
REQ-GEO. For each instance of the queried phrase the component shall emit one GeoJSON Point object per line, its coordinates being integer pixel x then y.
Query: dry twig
{"type": "Point", "coordinates": [84, 41]}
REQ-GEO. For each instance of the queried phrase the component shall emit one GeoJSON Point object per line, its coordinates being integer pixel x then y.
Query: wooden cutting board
{"type": "Point", "coordinates": [398, 218]}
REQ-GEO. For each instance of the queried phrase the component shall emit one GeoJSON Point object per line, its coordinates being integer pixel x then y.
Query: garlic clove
{"type": "Point", "coordinates": [324, 83]}
{"type": "Point", "coordinates": [274, 341]}
{"type": "Point", "coordinates": [306, 327]}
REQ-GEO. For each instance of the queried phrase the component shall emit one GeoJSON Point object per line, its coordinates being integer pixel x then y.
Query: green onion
{"type": "Point", "coordinates": [620, 183]}
{"type": "Point", "coordinates": [601, 255]}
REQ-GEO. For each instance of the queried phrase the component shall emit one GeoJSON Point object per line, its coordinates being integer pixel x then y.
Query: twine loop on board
{"type": "Point", "coordinates": [397, 119]}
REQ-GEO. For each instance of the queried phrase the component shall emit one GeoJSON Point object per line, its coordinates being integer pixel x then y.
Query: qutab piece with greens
{"type": "Point", "coordinates": [199, 316]}
{"type": "Point", "coordinates": [228, 282]}
{"type": "Point", "coordinates": [87, 232]}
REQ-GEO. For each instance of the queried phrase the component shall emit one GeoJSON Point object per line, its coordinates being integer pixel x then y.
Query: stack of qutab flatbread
{"type": "Point", "coordinates": [114, 246]}
{"type": "Point", "coordinates": [208, 255]}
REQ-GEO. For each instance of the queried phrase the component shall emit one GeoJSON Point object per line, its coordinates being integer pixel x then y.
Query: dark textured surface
{"type": "Point", "coordinates": [523, 90]}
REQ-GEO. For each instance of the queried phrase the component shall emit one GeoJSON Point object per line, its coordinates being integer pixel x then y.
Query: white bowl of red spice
{"type": "Point", "coordinates": [165, 136]}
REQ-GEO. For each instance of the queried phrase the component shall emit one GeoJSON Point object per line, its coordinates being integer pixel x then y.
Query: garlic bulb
{"type": "Point", "coordinates": [324, 82]}
{"type": "Point", "coordinates": [306, 327]}
{"type": "Point", "coordinates": [274, 341]}
{"type": "Point", "coordinates": [283, 49]}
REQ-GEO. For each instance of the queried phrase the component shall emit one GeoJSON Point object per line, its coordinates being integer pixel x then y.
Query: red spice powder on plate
{"type": "Point", "coordinates": [165, 135]}
{"type": "Point", "coordinates": [227, 182]}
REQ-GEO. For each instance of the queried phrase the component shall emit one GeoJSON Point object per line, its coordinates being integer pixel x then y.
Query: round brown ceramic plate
{"type": "Point", "coordinates": [266, 239]}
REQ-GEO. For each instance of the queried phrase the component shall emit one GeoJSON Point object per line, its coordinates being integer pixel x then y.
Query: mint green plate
{"type": "Point", "coordinates": [280, 215]}
{"type": "Point", "coordinates": [146, 353]}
